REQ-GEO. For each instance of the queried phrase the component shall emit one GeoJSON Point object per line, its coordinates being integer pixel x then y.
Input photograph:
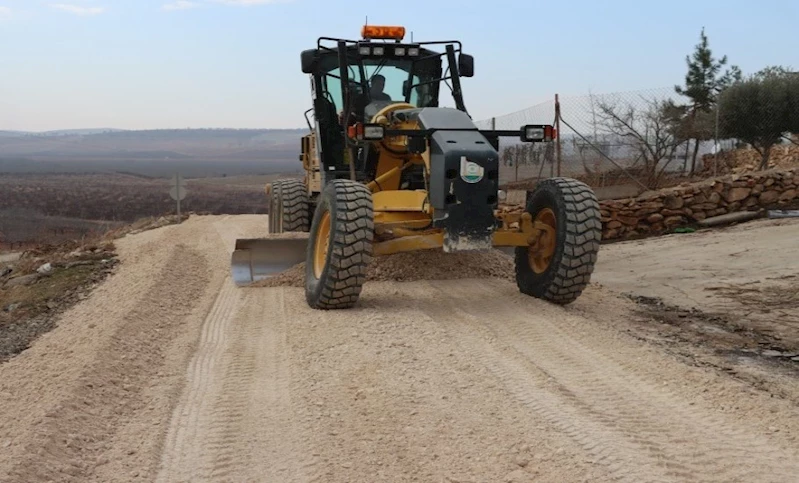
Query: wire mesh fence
{"type": "Point", "coordinates": [641, 139]}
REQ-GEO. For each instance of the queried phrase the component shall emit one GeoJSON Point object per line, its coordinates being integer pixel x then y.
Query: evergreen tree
{"type": "Point", "coordinates": [703, 83]}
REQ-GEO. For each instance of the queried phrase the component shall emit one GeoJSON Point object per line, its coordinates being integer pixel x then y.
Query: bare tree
{"type": "Point", "coordinates": [507, 155]}
{"type": "Point", "coordinates": [650, 132]}
{"type": "Point", "coordinates": [519, 154]}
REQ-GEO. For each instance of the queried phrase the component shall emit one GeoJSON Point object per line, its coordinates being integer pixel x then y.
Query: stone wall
{"type": "Point", "coordinates": [657, 212]}
{"type": "Point", "coordinates": [739, 161]}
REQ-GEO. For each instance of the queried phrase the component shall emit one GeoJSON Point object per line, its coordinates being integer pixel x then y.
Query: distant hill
{"type": "Point", "coordinates": [73, 132]}
{"type": "Point", "coordinates": [196, 152]}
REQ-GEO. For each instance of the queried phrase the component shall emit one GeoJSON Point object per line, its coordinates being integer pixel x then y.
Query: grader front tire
{"type": "Point", "coordinates": [558, 268]}
{"type": "Point", "coordinates": [340, 245]}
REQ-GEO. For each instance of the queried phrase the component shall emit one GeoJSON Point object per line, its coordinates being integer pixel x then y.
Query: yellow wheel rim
{"type": "Point", "coordinates": [544, 243]}
{"type": "Point", "coordinates": [321, 245]}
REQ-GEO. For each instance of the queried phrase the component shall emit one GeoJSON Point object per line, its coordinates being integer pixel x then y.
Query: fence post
{"type": "Point", "coordinates": [557, 130]}
{"type": "Point", "coordinates": [716, 157]}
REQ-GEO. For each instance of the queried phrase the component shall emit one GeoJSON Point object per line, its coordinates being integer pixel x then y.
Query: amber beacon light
{"type": "Point", "coordinates": [383, 32]}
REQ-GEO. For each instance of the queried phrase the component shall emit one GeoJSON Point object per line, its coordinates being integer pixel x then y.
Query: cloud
{"type": "Point", "coordinates": [5, 12]}
{"type": "Point", "coordinates": [247, 3]}
{"type": "Point", "coordinates": [180, 5]}
{"type": "Point", "coordinates": [77, 9]}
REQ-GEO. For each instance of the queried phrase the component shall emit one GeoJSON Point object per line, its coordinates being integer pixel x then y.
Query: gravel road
{"type": "Point", "coordinates": [169, 373]}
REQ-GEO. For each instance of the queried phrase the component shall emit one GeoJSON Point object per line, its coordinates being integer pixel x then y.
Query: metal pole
{"type": "Point", "coordinates": [716, 157]}
{"type": "Point", "coordinates": [177, 192]}
{"type": "Point", "coordinates": [499, 149]}
{"type": "Point", "coordinates": [557, 129]}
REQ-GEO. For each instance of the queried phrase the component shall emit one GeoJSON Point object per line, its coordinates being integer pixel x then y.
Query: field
{"type": "Point", "coordinates": [50, 208]}
{"type": "Point", "coordinates": [61, 185]}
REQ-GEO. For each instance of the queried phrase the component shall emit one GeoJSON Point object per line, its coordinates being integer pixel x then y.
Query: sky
{"type": "Point", "coordinates": [155, 64]}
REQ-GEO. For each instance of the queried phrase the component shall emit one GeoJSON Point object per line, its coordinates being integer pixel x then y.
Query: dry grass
{"type": "Point", "coordinates": [31, 309]}
{"type": "Point", "coordinates": [29, 299]}
{"type": "Point", "coordinates": [255, 182]}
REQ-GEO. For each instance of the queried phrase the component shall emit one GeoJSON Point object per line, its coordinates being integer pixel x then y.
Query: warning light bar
{"type": "Point", "coordinates": [383, 32]}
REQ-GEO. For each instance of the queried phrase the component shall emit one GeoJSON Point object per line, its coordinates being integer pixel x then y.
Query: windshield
{"type": "Point", "coordinates": [385, 80]}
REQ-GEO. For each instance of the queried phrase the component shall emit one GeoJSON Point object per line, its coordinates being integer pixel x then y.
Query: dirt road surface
{"type": "Point", "coordinates": [168, 373]}
{"type": "Point", "coordinates": [751, 269]}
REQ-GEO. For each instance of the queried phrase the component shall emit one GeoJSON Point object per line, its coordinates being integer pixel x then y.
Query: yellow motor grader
{"type": "Point", "coordinates": [388, 170]}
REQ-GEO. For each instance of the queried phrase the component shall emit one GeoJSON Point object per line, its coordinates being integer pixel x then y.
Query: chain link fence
{"type": "Point", "coordinates": [628, 142]}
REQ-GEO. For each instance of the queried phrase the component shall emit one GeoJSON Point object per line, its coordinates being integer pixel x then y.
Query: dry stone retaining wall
{"type": "Point", "coordinates": [657, 212]}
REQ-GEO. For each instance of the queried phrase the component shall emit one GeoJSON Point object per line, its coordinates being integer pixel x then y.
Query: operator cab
{"type": "Point", "coordinates": [361, 77]}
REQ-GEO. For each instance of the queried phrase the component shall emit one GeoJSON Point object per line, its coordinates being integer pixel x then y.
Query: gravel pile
{"type": "Point", "coordinates": [421, 265]}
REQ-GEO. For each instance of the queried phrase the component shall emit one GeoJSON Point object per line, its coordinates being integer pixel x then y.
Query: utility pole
{"type": "Point", "coordinates": [557, 130]}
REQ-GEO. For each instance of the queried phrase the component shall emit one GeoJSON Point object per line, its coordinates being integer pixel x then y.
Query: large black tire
{"type": "Point", "coordinates": [289, 207]}
{"type": "Point", "coordinates": [578, 230]}
{"type": "Point", "coordinates": [275, 203]}
{"type": "Point", "coordinates": [344, 219]}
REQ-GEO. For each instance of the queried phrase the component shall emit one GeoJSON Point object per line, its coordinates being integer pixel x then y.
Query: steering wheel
{"type": "Point", "coordinates": [391, 108]}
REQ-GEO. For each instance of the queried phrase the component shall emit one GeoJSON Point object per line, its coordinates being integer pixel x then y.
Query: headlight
{"type": "Point", "coordinates": [364, 50]}
{"type": "Point", "coordinates": [534, 133]}
{"type": "Point", "coordinates": [378, 50]}
{"type": "Point", "coordinates": [413, 51]}
{"type": "Point", "coordinates": [373, 132]}
{"type": "Point", "coordinates": [399, 51]}
{"type": "Point", "coordinates": [537, 133]}
{"type": "Point", "coordinates": [502, 195]}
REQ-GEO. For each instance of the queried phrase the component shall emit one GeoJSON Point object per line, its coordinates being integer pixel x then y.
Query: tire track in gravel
{"type": "Point", "coordinates": [528, 384]}
{"type": "Point", "coordinates": [236, 421]}
{"type": "Point", "coordinates": [181, 443]}
{"type": "Point", "coordinates": [601, 402]}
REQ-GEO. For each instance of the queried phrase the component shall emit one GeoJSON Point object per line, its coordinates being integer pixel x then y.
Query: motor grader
{"type": "Point", "coordinates": [388, 170]}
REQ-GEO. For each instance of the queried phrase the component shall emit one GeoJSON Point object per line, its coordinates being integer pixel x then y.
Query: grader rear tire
{"type": "Point", "coordinates": [340, 245]}
{"type": "Point", "coordinates": [559, 268]}
{"type": "Point", "coordinates": [289, 207]}
{"type": "Point", "coordinates": [275, 203]}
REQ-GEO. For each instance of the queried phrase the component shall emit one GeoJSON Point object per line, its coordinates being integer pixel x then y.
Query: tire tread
{"type": "Point", "coordinates": [580, 245]}
{"type": "Point", "coordinates": [351, 248]}
{"type": "Point", "coordinates": [296, 207]}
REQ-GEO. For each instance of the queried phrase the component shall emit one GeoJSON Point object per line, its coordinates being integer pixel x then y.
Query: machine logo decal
{"type": "Point", "coordinates": [471, 172]}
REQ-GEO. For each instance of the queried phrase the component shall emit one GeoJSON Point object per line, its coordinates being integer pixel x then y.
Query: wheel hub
{"type": "Point", "coordinates": [544, 242]}
{"type": "Point", "coordinates": [321, 245]}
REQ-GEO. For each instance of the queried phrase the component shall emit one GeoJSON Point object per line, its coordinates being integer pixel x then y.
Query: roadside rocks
{"type": "Point", "coordinates": [37, 265]}
{"type": "Point", "coordinates": [45, 269]}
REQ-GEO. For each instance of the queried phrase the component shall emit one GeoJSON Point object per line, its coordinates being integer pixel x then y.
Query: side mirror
{"type": "Point", "coordinates": [308, 60]}
{"type": "Point", "coordinates": [466, 65]}
{"type": "Point", "coordinates": [406, 87]}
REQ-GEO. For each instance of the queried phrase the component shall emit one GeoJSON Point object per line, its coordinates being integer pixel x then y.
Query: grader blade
{"type": "Point", "coordinates": [259, 258]}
